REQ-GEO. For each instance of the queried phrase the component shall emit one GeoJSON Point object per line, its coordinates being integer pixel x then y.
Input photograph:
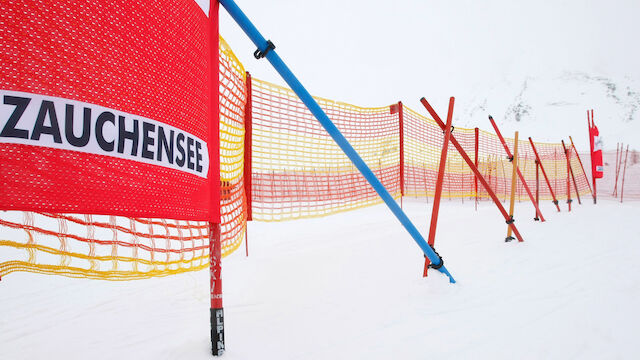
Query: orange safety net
{"type": "Point", "coordinates": [123, 248]}
{"type": "Point", "coordinates": [611, 186]}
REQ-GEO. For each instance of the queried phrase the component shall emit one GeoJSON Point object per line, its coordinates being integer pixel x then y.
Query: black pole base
{"type": "Point", "coordinates": [217, 332]}
{"type": "Point", "coordinates": [536, 218]}
{"type": "Point", "coordinates": [509, 238]}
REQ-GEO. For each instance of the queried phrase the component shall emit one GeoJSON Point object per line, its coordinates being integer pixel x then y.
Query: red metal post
{"type": "Point", "coordinates": [439, 180]}
{"type": "Point", "coordinates": [593, 170]}
{"type": "Point", "coordinates": [624, 171]}
{"type": "Point", "coordinates": [475, 179]}
{"type": "Point", "coordinates": [215, 269]}
{"type": "Point", "coordinates": [524, 183]}
{"type": "Point", "coordinates": [248, 148]}
{"type": "Point", "coordinates": [615, 186]}
{"type": "Point", "coordinates": [215, 246]}
{"type": "Point", "coordinates": [581, 166]}
{"type": "Point", "coordinates": [536, 218]}
{"type": "Point", "coordinates": [401, 124]}
{"type": "Point", "coordinates": [466, 158]}
{"type": "Point", "coordinates": [544, 173]}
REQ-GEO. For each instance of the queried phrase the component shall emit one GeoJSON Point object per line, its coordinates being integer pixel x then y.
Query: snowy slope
{"type": "Point", "coordinates": [349, 287]}
{"type": "Point", "coordinates": [553, 107]}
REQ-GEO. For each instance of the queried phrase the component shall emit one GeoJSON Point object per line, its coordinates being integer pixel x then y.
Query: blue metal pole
{"type": "Point", "coordinates": [275, 60]}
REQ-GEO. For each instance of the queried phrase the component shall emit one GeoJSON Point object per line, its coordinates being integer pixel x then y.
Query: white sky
{"type": "Point", "coordinates": [373, 53]}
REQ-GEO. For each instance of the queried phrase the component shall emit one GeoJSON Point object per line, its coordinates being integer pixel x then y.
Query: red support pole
{"type": "Point", "coordinates": [466, 158]}
{"type": "Point", "coordinates": [575, 184]}
{"type": "Point", "coordinates": [401, 124]}
{"type": "Point", "coordinates": [536, 218]}
{"type": "Point", "coordinates": [615, 186]}
{"type": "Point", "coordinates": [217, 313]}
{"type": "Point", "coordinates": [581, 166]}
{"type": "Point", "coordinates": [475, 179]}
{"type": "Point", "coordinates": [215, 246]}
{"type": "Point", "coordinates": [522, 180]}
{"type": "Point", "coordinates": [248, 148]}
{"type": "Point", "coordinates": [439, 181]}
{"type": "Point", "coordinates": [619, 165]}
{"type": "Point", "coordinates": [593, 170]}
{"type": "Point", "coordinates": [544, 173]}
{"type": "Point", "coordinates": [624, 171]}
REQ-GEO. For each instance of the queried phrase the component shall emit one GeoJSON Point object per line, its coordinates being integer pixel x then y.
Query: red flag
{"type": "Point", "coordinates": [596, 152]}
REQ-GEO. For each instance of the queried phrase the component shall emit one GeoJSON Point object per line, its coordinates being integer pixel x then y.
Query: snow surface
{"type": "Point", "coordinates": [349, 286]}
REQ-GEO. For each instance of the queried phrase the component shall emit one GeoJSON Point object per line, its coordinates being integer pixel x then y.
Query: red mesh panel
{"type": "Point", "coordinates": [147, 58]}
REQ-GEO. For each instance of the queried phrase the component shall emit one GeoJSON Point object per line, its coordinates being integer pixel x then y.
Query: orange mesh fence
{"type": "Point", "coordinates": [607, 186]}
{"type": "Point", "coordinates": [127, 248]}
{"type": "Point", "coordinates": [297, 172]}
{"type": "Point", "coordinates": [422, 143]}
{"type": "Point", "coordinates": [297, 169]}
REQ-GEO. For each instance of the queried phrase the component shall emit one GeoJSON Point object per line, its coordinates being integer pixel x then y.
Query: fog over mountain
{"type": "Point", "coordinates": [544, 63]}
{"type": "Point", "coordinates": [552, 107]}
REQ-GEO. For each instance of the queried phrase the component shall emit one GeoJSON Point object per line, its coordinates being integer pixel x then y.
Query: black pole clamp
{"type": "Point", "coordinates": [555, 202]}
{"type": "Point", "coordinates": [510, 221]}
{"type": "Point", "coordinates": [436, 267]}
{"type": "Point", "coordinates": [452, 127]}
{"type": "Point", "coordinates": [259, 54]}
{"type": "Point", "coordinates": [510, 158]}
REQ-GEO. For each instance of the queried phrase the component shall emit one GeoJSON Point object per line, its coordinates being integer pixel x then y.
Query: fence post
{"type": "Point", "coordinates": [581, 166]}
{"type": "Point", "coordinates": [544, 173]}
{"type": "Point", "coordinates": [575, 185]}
{"type": "Point", "coordinates": [615, 185]}
{"type": "Point", "coordinates": [475, 178]}
{"type": "Point", "coordinates": [466, 158]}
{"type": "Point", "coordinates": [439, 181]}
{"type": "Point", "coordinates": [401, 125]}
{"type": "Point", "coordinates": [624, 171]}
{"type": "Point", "coordinates": [524, 183]}
{"type": "Point", "coordinates": [591, 123]}
{"type": "Point", "coordinates": [248, 147]}
{"type": "Point", "coordinates": [566, 155]}
{"type": "Point", "coordinates": [514, 163]}
{"type": "Point", "coordinates": [536, 218]}
{"type": "Point", "coordinates": [215, 246]}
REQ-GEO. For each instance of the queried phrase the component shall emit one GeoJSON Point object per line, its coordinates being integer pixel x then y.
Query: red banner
{"type": "Point", "coordinates": [105, 108]}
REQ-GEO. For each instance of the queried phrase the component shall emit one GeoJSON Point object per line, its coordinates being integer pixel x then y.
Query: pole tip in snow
{"type": "Point", "coordinates": [446, 272]}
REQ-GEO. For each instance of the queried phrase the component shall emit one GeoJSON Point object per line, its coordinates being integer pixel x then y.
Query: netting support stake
{"type": "Point", "coordinates": [573, 177]}
{"type": "Point", "coordinates": [248, 165]}
{"type": "Point", "coordinates": [436, 198]}
{"type": "Point", "coordinates": [475, 178]}
{"type": "Point", "coordinates": [514, 184]}
{"type": "Point", "coordinates": [272, 56]}
{"type": "Point", "coordinates": [581, 166]}
{"type": "Point", "coordinates": [215, 246]}
{"type": "Point", "coordinates": [624, 171]}
{"type": "Point", "coordinates": [590, 124]}
{"type": "Point", "coordinates": [475, 170]}
{"type": "Point", "coordinates": [522, 180]}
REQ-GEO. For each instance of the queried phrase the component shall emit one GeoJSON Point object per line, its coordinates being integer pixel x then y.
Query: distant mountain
{"type": "Point", "coordinates": [550, 108]}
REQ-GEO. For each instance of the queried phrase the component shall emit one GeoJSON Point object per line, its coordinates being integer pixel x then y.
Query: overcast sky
{"type": "Point", "coordinates": [372, 53]}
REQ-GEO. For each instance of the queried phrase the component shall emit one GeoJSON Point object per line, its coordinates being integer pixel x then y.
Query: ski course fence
{"type": "Point", "coordinates": [293, 170]}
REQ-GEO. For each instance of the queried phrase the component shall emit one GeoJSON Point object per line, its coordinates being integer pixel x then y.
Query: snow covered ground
{"type": "Point", "coordinates": [349, 286]}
